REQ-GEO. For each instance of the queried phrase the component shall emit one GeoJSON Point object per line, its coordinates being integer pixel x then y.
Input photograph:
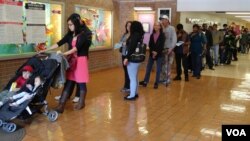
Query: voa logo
{"type": "Point", "coordinates": [236, 132]}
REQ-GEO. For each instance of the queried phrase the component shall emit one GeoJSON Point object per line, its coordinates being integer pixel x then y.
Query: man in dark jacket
{"type": "Point", "coordinates": [181, 52]}
{"type": "Point", "coordinates": [209, 38]}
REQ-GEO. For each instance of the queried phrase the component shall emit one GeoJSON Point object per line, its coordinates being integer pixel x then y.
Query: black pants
{"type": "Point", "coordinates": [209, 60]}
{"type": "Point", "coordinates": [127, 81]}
{"type": "Point", "coordinates": [228, 55]}
{"type": "Point", "coordinates": [70, 85]}
{"type": "Point", "coordinates": [181, 59]}
{"type": "Point", "coordinates": [235, 54]}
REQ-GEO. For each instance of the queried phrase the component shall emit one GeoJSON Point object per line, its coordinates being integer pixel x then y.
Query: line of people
{"type": "Point", "coordinates": [203, 46]}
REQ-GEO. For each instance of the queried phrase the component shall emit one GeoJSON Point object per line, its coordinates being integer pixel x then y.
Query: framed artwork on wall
{"type": "Point", "coordinates": [99, 22]}
{"type": "Point", "coordinates": [41, 26]}
{"type": "Point", "coordinates": [146, 27]}
{"type": "Point", "coordinates": [164, 11]}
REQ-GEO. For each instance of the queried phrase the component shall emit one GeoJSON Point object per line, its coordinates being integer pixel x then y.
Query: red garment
{"type": "Point", "coordinates": [80, 73]}
{"type": "Point", "coordinates": [20, 82]}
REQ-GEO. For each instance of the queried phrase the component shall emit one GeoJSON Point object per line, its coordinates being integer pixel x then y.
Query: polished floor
{"type": "Point", "coordinates": [184, 111]}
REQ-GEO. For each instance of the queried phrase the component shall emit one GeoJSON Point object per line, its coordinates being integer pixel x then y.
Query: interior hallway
{"type": "Point", "coordinates": [192, 111]}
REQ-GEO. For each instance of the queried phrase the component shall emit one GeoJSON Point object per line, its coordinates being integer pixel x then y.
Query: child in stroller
{"type": "Point", "coordinates": [23, 96]}
{"type": "Point", "coordinates": [32, 99]}
{"type": "Point", "coordinates": [17, 85]}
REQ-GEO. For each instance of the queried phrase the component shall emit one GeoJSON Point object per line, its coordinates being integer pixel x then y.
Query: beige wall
{"type": "Point", "coordinates": [127, 12]}
{"type": "Point", "coordinates": [208, 16]}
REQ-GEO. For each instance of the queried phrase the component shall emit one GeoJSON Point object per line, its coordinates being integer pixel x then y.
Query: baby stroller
{"type": "Point", "coordinates": [37, 104]}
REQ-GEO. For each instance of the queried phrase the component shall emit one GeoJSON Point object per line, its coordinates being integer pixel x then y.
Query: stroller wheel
{"type": "Point", "coordinates": [52, 116]}
{"type": "Point", "coordinates": [9, 127]}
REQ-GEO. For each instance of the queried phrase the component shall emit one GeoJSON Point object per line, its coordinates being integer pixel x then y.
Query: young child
{"type": "Point", "coordinates": [20, 81]}
{"type": "Point", "coordinates": [23, 96]}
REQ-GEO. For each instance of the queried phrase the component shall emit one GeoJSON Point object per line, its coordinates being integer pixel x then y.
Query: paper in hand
{"type": "Point", "coordinates": [179, 43]}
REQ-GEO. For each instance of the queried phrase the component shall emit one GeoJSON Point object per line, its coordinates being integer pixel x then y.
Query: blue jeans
{"type": "Point", "coordinates": [149, 69]}
{"type": "Point", "coordinates": [216, 54]}
{"type": "Point", "coordinates": [133, 69]}
{"type": "Point", "coordinates": [196, 63]}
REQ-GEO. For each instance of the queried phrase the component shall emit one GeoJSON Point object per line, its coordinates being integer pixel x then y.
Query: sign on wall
{"type": "Point", "coordinates": [29, 26]}
{"type": "Point", "coordinates": [100, 23]}
{"type": "Point", "coordinates": [11, 22]}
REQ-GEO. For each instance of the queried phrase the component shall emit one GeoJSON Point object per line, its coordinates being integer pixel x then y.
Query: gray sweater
{"type": "Point", "coordinates": [171, 38]}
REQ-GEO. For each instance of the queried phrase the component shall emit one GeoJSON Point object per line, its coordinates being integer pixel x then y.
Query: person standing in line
{"type": "Point", "coordinates": [126, 87]}
{"type": "Point", "coordinates": [197, 48]}
{"type": "Point", "coordinates": [169, 46]}
{"type": "Point", "coordinates": [181, 52]}
{"type": "Point", "coordinates": [135, 38]}
{"type": "Point", "coordinates": [156, 44]}
{"type": "Point", "coordinates": [217, 39]}
{"type": "Point", "coordinates": [209, 37]}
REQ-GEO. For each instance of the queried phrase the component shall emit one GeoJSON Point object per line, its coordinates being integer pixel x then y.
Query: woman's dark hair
{"type": "Point", "coordinates": [196, 25]}
{"type": "Point", "coordinates": [76, 22]}
{"type": "Point", "coordinates": [179, 26]}
{"type": "Point", "coordinates": [161, 29]}
{"type": "Point", "coordinates": [126, 30]}
{"type": "Point", "coordinates": [136, 27]}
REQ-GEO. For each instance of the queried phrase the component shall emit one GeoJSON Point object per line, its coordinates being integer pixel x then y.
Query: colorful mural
{"type": "Point", "coordinates": [100, 22]}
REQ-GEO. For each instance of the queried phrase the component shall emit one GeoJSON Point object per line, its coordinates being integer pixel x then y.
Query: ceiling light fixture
{"type": "Point", "coordinates": [238, 13]}
{"type": "Point", "coordinates": [242, 16]}
{"type": "Point", "coordinates": [143, 8]}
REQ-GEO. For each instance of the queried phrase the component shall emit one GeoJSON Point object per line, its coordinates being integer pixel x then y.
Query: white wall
{"type": "Point", "coordinates": [208, 17]}
{"type": "Point", "coordinates": [213, 5]}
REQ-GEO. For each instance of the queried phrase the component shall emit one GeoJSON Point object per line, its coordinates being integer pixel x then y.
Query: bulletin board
{"type": "Point", "coordinates": [100, 23]}
{"type": "Point", "coordinates": [39, 25]}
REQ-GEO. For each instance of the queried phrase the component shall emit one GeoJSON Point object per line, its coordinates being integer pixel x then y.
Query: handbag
{"type": "Point", "coordinates": [72, 59]}
{"type": "Point", "coordinates": [140, 53]}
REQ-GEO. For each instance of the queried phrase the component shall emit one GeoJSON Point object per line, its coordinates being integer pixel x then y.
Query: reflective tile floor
{"type": "Point", "coordinates": [184, 111]}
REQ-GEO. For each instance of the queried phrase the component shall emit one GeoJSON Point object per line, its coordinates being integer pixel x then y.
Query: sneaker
{"type": "Point", "coordinates": [57, 97]}
{"type": "Point", "coordinates": [76, 99]}
{"type": "Point", "coordinates": [169, 81]}
{"type": "Point", "coordinates": [14, 104]}
{"type": "Point", "coordinates": [1, 103]}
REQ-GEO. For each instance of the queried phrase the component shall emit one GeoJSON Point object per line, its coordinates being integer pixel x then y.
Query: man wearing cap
{"type": "Point", "coordinates": [169, 45]}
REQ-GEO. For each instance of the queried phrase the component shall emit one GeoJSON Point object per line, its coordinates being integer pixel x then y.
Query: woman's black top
{"type": "Point", "coordinates": [156, 46]}
{"type": "Point", "coordinates": [82, 44]}
{"type": "Point", "coordinates": [132, 43]}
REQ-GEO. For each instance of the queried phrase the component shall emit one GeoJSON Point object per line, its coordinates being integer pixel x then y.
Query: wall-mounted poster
{"type": "Point", "coordinates": [100, 23]}
{"type": "Point", "coordinates": [164, 11]}
{"type": "Point", "coordinates": [11, 22]}
{"type": "Point", "coordinates": [146, 27]}
{"type": "Point", "coordinates": [39, 25]}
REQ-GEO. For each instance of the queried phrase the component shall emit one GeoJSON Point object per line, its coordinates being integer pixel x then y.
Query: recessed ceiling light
{"type": "Point", "coordinates": [242, 16]}
{"type": "Point", "coordinates": [238, 13]}
{"type": "Point", "coordinates": [143, 8]}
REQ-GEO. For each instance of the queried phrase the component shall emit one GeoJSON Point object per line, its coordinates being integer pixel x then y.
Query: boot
{"type": "Point", "coordinates": [81, 104]}
{"type": "Point", "coordinates": [62, 102]}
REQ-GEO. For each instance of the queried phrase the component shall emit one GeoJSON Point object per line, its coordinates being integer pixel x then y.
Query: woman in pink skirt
{"type": "Point", "coordinates": [79, 41]}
